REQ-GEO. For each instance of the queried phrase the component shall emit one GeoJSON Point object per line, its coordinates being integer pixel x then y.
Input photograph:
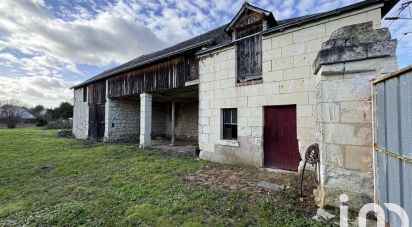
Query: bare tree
{"type": "Point", "coordinates": [11, 112]}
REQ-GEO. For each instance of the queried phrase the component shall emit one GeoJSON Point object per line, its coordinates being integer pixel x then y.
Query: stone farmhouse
{"type": "Point", "coordinates": [257, 91]}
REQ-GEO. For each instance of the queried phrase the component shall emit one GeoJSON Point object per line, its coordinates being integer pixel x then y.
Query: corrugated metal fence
{"type": "Point", "coordinates": [393, 142]}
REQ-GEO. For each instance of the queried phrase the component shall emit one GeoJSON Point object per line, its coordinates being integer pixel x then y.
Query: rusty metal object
{"type": "Point", "coordinates": [312, 157]}
{"type": "Point", "coordinates": [312, 154]}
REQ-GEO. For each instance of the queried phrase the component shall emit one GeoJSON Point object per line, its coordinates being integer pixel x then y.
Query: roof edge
{"type": "Point", "coordinates": [143, 63]}
{"type": "Point", "coordinates": [388, 5]}
{"type": "Point", "coordinates": [252, 7]}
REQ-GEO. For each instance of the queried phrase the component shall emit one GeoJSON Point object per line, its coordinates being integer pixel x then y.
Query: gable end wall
{"type": "Point", "coordinates": [288, 78]}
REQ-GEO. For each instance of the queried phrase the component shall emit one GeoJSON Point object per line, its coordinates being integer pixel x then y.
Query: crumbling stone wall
{"type": "Point", "coordinates": [80, 115]}
{"type": "Point", "coordinates": [288, 79]}
{"type": "Point", "coordinates": [347, 62]}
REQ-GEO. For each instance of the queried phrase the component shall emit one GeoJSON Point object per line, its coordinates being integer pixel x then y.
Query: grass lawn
{"type": "Point", "coordinates": [45, 180]}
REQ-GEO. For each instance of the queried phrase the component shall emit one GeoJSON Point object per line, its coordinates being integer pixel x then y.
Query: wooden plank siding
{"type": "Point", "coordinates": [96, 98]}
{"type": "Point", "coordinates": [158, 77]}
{"type": "Point", "coordinates": [249, 58]}
{"type": "Point", "coordinates": [96, 122]}
{"type": "Point", "coordinates": [96, 93]}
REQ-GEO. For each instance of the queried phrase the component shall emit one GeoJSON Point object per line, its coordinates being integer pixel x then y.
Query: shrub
{"type": "Point", "coordinates": [59, 124]}
{"type": "Point", "coordinates": [40, 122]}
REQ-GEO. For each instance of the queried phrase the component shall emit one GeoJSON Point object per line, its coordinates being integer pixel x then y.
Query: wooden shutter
{"type": "Point", "coordinates": [249, 58]}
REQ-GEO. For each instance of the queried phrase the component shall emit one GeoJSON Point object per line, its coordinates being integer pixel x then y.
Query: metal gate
{"type": "Point", "coordinates": [393, 142]}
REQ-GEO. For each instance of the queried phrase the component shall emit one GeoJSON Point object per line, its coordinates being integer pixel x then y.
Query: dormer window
{"type": "Point", "coordinates": [249, 30]}
{"type": "Point", "coordinates": [246, 30]}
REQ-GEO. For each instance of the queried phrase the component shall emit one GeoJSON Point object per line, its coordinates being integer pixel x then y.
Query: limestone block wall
{"type": "Point", "coordinates": [122, 119]}
{"type": "Point", "coordinates": [160, 119]}
{"type": "Point", "coordinates": [80, 115]}
{"type": "Point", "coordinates": [187, 119]}
{"type": "Point", "coordinates": [186, 122]}
{"type": "Point", "coordinates": [288, 78]}
{"type": "Point", "coordinates": [344, 110]}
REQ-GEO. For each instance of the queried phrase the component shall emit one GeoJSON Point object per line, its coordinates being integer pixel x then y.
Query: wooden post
{"type": "Point", "coordinates": [173, 123]}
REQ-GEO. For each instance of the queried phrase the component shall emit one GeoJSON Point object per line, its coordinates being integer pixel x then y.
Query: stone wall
{"type": "Point", "coordinates": [122, 120]}
{"type": "Point", "coordinates": [80, 115]}
{"type": "Point", "coordinates": [288, 78]}
{"type": "Point", "coordinates": [187, 119]}
{"type": "Point", "coordinates": [352, 57]}
{"type": "Point", "coordinates": [160, 119]}
{"type": "Point", "coordinates": [186, 125]}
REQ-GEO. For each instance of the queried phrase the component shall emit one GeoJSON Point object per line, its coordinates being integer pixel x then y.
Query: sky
{"type": "Point", "coordinates": [47, 46]}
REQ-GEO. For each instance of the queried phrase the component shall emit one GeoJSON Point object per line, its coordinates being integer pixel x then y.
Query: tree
{"type": "Point", "coordinates": [11, 112]}
{"type": "Point", "coordinates": [37, 110]}
{"type": "Point", "coordinates": [66, 110]}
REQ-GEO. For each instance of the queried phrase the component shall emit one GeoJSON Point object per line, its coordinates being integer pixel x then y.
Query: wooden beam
{"type": "Point", "coordinates": [170, 98]}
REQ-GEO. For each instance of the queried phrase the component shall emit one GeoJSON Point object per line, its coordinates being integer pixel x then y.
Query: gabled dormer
{"type": "Point", "coordinates": [250, 20]}
{"type": "Point", "coordinates": [245, 29]}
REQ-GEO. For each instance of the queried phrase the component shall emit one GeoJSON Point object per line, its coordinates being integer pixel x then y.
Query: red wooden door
{"type": "Point", "coordinates": [280, 138]}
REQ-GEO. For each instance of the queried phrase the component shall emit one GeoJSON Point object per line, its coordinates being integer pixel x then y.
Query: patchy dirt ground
{"type": "Point", "coordinates": [228, 178]}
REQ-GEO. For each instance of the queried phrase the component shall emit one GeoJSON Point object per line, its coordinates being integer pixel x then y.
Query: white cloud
{"type": "Point", "coordinates": [123, 30]}
{"type": "Point", "coordinates": [39, 42]}
{"type": "Point", "coordinates": [112, 35]}
{"type": "Point", "coordinates": [398, 28]}
{"type": "Point", "coordinates": [32, 90]}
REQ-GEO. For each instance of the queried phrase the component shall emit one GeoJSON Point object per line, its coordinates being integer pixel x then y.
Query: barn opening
{"type": "Point", "coordinates": [149, 105]}
{"type": "Point", "coordinates": [175, 117]}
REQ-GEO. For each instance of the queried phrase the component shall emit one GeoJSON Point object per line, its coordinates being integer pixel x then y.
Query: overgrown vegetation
{"type": "Point", "coordinates": [57, 118]}
{"type": "Point", "coordinates": [59, 124]}
{"type": "Point", "coordinates": [63, 111]}
{"type": "Point", "coordinates": [45, 180]}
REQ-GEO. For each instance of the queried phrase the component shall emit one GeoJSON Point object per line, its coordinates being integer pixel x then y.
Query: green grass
{"type": "Point", "coordinates": [45, 180]}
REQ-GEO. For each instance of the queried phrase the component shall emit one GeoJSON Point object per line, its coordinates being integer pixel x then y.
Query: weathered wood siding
{"type": "Point", "coordinates": [96, 93]}
{"type": "Point", "coordinates": [96, 121]}
{"type": "Point", "coordinates": [193, 72]}
{"type": "Point", "coordinates": [162, 76]}
{"type": "Point", "coordinates": [249, 58]}
{"type": "Point", "coordinates": [96, 97]}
